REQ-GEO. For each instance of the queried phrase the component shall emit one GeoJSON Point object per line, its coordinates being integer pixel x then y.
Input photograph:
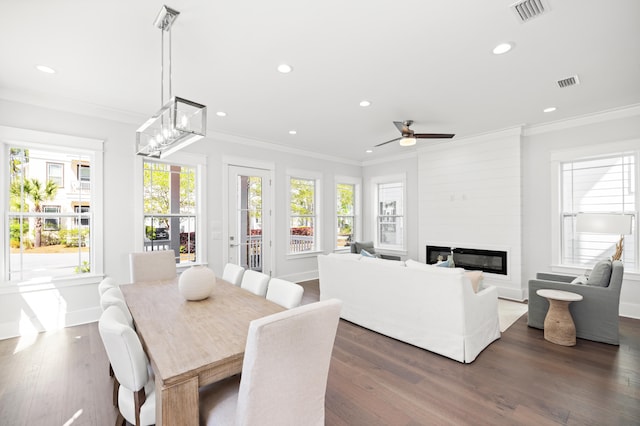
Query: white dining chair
{"type": "Point", "coordinates": [284, 371]}
{"type": "Point", "coordinates": [136, 394]}
{"type": "Point", "coordinates": [255, 282]}
{"type": "Point", "coordinates": [284, 293]}
{"type": "Point", "coordinates": [106, 284]}
{"type": "Point", "coordinates": [114, 297]}
{"type": "Point", "coordinates": [233, 273]}
{"type": "Point", "coordinates": [157, 265]}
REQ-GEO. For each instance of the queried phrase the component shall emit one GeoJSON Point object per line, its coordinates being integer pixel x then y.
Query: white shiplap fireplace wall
{"type": "Point", "coordinates": [470, 196]}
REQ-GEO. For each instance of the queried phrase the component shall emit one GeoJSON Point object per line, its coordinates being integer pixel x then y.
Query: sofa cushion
{"type": "Point", "coordinates": [601, 274]}
{"type": "Point", "coordinates": [365, 245]}
{"type": "Point", "coordinates": [581, 279]}
{"type": "Point", "coordinates": [350, 256]}
{"type": "Point", "coordinates": [476, 278]}
{"type": "Point", "coordinates": [382, 261]}
{"type": "Point", "coordinates": [365, 253]}
{"type": "Point", "coordinates": [410, 263]}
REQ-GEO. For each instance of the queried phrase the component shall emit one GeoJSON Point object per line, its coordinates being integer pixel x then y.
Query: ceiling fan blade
{"type": "Point", "coordinates": [433, 135]}
{"type": "Point", "coordinates": [400, 125]}
{"type": "Point", "coordinates": [384, 143]}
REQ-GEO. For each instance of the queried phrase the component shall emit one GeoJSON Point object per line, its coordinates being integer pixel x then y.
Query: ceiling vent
{"type": "Point", "coordinates": [526, 10]}
{"type": "Point", "coordinates": [569, 81]}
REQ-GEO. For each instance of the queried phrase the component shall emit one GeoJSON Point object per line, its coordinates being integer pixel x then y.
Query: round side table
{"type": "Point", "coordinates": [559, 327]}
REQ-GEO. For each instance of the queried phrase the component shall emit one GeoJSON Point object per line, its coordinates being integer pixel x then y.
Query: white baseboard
{"type": "Point", "coordinates": [630, 310]}
{"type": "Point", "coordinates": [518, 295]}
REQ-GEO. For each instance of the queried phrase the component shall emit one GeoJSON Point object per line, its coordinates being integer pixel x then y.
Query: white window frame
{"type": "Point", "coordinates": [199, 162]}
{"type": "Point", "coordinates": [93, 148]}
{"type": "Point", "coordinates": [577, 154]}
{"type": "Point", "coordinates": [375, 183]}
{"type": "Point", "coordinates": [357, 211]}
{"type": "Point", "coordinates": [61, 168]}
{"type": "Point", "coordinates": [317, 211]}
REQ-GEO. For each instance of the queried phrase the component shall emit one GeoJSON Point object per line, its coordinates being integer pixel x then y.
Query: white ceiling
{"type": "Point", "coordinates": [429, 61]}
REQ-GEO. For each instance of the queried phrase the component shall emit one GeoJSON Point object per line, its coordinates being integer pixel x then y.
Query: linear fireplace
{"type": "Point", "coordinates": [492, 261]}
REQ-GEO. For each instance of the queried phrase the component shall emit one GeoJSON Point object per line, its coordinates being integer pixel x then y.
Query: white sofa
{"type": "Point", "coordinates": [430, 307]}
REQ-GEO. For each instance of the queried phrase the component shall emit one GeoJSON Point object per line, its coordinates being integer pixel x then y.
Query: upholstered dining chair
{"type": "Point", "coordinates": [233, 273]}
{"type": "Point", "coordinates": [284, 293]}
{"type": "Point", "coordinates": [136, 395]}
{"type": "Point", "coordinates": [284, 371]}
{"type": "Point", "coordinates": [157, 265]}
{"type": "Point", "coordinates": [106, 284]}
{"type": "Point", "coordinates": [255, 282]}
{"type": "Point", "coordinates": [114, 297]}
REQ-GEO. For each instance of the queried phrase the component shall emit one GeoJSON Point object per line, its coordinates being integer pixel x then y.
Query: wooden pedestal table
{"type": "Point", "coordinates": [559, 327]}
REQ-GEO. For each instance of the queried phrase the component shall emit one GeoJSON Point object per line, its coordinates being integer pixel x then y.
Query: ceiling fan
{"type": "Point", "coordinates": [409, 138]}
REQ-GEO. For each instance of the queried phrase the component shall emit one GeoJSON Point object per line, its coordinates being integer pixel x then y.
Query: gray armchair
{"type": "Point", "coordinates": [357, 247]}
{"type": "Point", "coordinates": [596, 317]}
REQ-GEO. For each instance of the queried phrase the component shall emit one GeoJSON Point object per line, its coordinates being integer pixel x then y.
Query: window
{"type": "Point", "coordinates": [82, 217]}
{"type": "Point", "coordinates": [43, 240]}
{"type": "Point", "coordinates": [51, 223]}
{"type": "Point", "coordinates": [303, 215]}
{"type": "Point", "coordinates": [170, 209]}
{"type": "Point", "coordinates": [347, 211]}
{"type": "Point", "coordinates": [389, 198]}
{"type": "Point", "coordinates": [55, 173]}
{"type": "Point", "coordinates": [603, 184]}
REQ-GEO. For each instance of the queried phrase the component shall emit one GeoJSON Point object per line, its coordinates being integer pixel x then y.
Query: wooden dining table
{"type": "Point", "coordinates": [191, 343]}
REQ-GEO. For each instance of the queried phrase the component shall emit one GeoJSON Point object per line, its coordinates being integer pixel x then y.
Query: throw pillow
{"type": "Point", "coordinates": [600, 274]}
{"type": "Point", "coordinates": [366, 253]}
{"type": "Point", "coordinates": [444, 264]}
{"type": "Point", "coordinates": [582, 279]}
{"type": "Point", "coordinates": [475, 277]}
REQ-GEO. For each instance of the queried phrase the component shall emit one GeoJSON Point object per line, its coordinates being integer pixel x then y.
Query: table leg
{"type": "Point", "coordinates": [559, 327]}
{"type": "Point", "coordinates": [177, 404]}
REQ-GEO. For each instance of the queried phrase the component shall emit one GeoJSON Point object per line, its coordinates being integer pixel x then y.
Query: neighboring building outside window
{"type": "Point", "coordinates": [389, 202]}
{"type": "Point", "coordinates": [55, 173]}
{"type": "Point", "coordinates": [81, 212]}
{"type": "Point", "coordinates": [303, 215]}
{"type": "Point", "coordinates": [51, 223]}
{"type": "Point", "coordinates": [598, 184]}
{"type": "Point", "coordinates": [44, 238]}
{"type": "Point", "coordinates": [170, 209]}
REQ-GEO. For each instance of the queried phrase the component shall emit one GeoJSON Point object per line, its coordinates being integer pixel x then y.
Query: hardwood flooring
{"type": "Point", "coordinates": [521, 379]}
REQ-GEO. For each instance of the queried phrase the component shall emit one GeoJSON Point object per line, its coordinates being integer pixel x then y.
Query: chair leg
{"type": "Point", "coordinates": [110, 370]}
{"type": "Point", "coordinates": [120, 420]}
{"type": "Point", "coordinates": [116, 387]}
{"type": "Point", "coordinates": [139, 398]}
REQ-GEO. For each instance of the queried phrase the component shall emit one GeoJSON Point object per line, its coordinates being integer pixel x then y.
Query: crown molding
{"type": "Point", "coordinates": [71, 105]}
{"type": "Point", "coordinates": [582, 120]}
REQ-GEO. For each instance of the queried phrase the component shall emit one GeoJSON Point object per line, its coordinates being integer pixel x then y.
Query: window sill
{"type": "Point", "coordinates": [12, 287]}
{"type": "Point", "coordinates": [292, 256]}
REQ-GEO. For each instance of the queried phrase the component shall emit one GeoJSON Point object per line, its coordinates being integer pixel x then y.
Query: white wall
{"type": "Point", "coordinates": [538, 145]}
{"type": "Point", "coordinates": [470, 196]}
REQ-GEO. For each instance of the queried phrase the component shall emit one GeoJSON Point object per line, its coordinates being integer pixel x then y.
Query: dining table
{"type": "Point", "coordinates": [191, 343]}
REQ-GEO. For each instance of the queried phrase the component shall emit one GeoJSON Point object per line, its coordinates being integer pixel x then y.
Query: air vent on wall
{"type": "Point", "coordinates": [569, 81]}
{"type": "Point", "coordinates": [528, 9]}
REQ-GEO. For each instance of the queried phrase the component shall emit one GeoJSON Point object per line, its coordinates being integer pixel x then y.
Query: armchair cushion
{"type": "Point", "coordinates": [601, 274]}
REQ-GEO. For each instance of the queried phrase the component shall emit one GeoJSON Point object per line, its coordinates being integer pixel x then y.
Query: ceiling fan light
{"type": "Point", "coordinates": [407, 141]}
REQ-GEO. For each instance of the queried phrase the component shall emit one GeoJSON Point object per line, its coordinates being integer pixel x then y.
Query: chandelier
{"type": "Point", "coordinates": [179, 122]}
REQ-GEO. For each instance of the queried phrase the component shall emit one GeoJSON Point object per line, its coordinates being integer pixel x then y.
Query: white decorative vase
{"type": "Point", "coordinates": [197, 283]}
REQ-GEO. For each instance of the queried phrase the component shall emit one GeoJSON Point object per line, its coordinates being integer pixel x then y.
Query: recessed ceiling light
{"type": "Point", "coordinates": [365, 103]}
{"type": "Point", "coordinates": [550, 109]}
{"type": "Point", "coordinates": [502, 48]}
{"type": "Point", "coordinates": [221, 114]}
{"type": "Point", "coordinates": [369, 151]}
{"type": "Point", "coordinates": [45, 69]}
{"type": "Point", "coordinates": [285, 68]}
{"type": "Point", "coordinates": [292, 132]}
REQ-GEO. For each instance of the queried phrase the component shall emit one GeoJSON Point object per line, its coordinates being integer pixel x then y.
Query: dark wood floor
{"type": "Point", "coordinates": [521, 379]}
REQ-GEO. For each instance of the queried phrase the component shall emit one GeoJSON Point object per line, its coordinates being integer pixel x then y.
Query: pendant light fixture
{"type": "Point", "coordinates": [179, 122]}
